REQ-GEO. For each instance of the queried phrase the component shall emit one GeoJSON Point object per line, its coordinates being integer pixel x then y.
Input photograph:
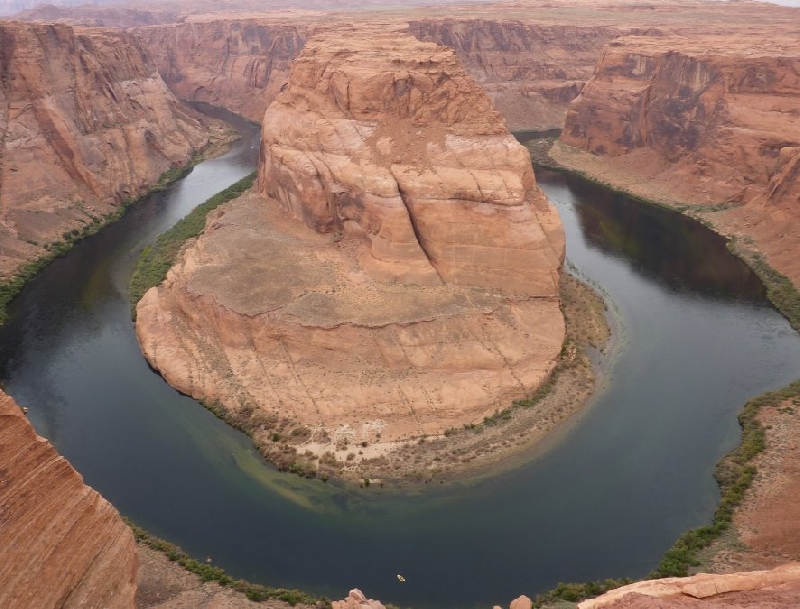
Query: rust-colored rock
{"type": "Point", "coordinates": [62, 544]}
{"type": "Point", "coordinates": [239, 64]}
{"type": "Point", "coordinates": [773, 589]}
{"type": "Point", "coordinates": [357, 600]}
{"type": "Point", "coordinates": [86, 122]}
{"type": "Point", "coordinates": [391, 141]}
{"type": "Point", "coordinates": [531, 71]}
{"type": "Point", "coordinates": [712, 121]}
{"type": "Point", "coordinates": [387, 321]}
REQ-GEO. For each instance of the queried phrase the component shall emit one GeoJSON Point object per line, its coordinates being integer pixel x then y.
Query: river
{"type": "Point", "coordinates": [625, 479]}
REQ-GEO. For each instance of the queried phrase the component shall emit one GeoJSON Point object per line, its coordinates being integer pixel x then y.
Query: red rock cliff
{"type": "Point", "coordinates": [712, 121]}
{"type": "Point", "coordinates": [86, 122]}
{"type": "Point", "coordinates": [409, 153]}
{"type": "Point", "coordinates": [239, 64]}
{"type": "Point", "coordinates": [61, 543]}
{"type": "Point", "coordinates": [530, 71]}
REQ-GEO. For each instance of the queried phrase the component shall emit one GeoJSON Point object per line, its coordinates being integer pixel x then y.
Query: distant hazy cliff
{"type": "Point", "coordinates": [531, 72]}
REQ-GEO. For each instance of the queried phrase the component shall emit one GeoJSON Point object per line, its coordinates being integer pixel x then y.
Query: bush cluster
{"type": "Point", "coordinates": [208, 572]}
{"type": "Point", "coordinates": [156, 260]}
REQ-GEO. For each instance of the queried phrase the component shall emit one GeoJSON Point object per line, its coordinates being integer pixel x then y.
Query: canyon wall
{"type": "Point", "coordinates": [531, 71]}
{"type": "Point", "coordinates": [86, 122]}
{"type": "Point", "coordinates": [239, 64]}
{"type": "Point", "coordinates": [708, 121]}
{"type": "Point", "coordinates": [62, 544]}
{"type": "Point", "coordinates": [401, 278]}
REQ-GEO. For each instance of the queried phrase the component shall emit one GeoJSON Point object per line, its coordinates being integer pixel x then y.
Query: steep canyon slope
{"type": "Point", "coordinates": [531, 71]}
{"type": "Point", "coordinates": [712, 122]}
{"type": "Point", "coordinates": [532, 58]}
{"type": "Point", "coordinates": [401, 278]}
{"type": "Point", "coordinates": [62, 544]}
{"type": "Point", "coordinates": [86, 123]}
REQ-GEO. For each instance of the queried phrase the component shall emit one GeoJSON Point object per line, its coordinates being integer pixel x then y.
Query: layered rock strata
{"type": "Point", "coordinates": [712, 121]}
{"type": "Point", "coordinates": [779, 587]}
{"type": "Point", "coordinates": [239, 64]}
{"type": "Point", "coordinates": [403, 279]}
{"type": "Point", "coordinates": [531, 71]}
{"type": "Point", "coordinates": [86, 122]}
{"type": "Point", "coordinates": [396, 145]}
{"type": "Point", "coordinates": [62, 544]}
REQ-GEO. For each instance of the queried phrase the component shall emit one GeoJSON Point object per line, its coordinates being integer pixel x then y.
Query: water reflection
{"type": "Point", "coordinates": [666, 247]}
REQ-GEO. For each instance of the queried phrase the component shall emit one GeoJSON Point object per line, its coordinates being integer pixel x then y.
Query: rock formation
{"type": "Point", "coordinates": [531, 71]}
{"type": "Point", "coordinates": [62, 544]}
{"type": "Point", "coordinates": [424, 297]}
{"type": "Point", "coordinates": [357, 600]}
{"type": "Point", "coordinates": [86, 122]}
{"type": "Point", "coordinates": [239, 64]}
{"type": "Point", "coordinates": [777, 588]}
{"type": "Point", "coordinates": [708, 122]}
{"type": "Point", "coordinates": [409, 154]}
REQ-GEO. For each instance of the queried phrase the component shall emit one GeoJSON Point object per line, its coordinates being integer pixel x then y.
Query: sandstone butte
{"type": "Point", "coordinates": [397, 277]}
{"type": "Point", "coordinates": [86, 123]}
{"type": "Point", "coordinates": [61, 543]}
{"type": "Point", "coordinates": [712, 122]}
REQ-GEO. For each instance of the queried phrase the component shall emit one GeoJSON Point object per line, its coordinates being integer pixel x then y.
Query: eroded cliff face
{"type": "Point", "coordinates": [62, 544]}
{"type": "Point", "coordinates": [239, 64]}
{"type": "Point", "coordinates": [402, 281]}
{"type": "Point", "coordinates": [86, 122]}
{"type": "Point", "coordinates": [530, 71]}
{"type": "Point", "coordinates": [713, 121]}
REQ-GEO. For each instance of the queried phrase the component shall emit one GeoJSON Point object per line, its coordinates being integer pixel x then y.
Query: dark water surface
{"type": "Point", "coordinates": [606, 501]}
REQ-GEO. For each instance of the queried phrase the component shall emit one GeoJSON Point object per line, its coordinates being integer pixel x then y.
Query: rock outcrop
{"type": "Point", "coordinates": [357, 600]}
{"type": "Point", "coordinates": [710, 121]}
{"type": "Point", "coordinates": [86, 122]}
{"type": "Point", "coordinates": [777, 588]}
{"type": "Point", "coordinates": [397, 145]}
{"type": "Point", "coordinates": [62, 544]}
{"type": "Point", "coordinates": [404, 280]}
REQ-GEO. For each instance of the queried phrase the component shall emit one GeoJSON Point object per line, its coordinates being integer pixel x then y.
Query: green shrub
{"type": "Point", "coordinates": [155, 261]}
{"type": "Point", "coordinates": [208, 572]}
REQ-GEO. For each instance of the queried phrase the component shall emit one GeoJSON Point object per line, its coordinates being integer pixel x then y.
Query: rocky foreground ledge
{"type": "Point", "coordinates": [61, 543]}
{"type": "Point", "coordinates": [396, 277]}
